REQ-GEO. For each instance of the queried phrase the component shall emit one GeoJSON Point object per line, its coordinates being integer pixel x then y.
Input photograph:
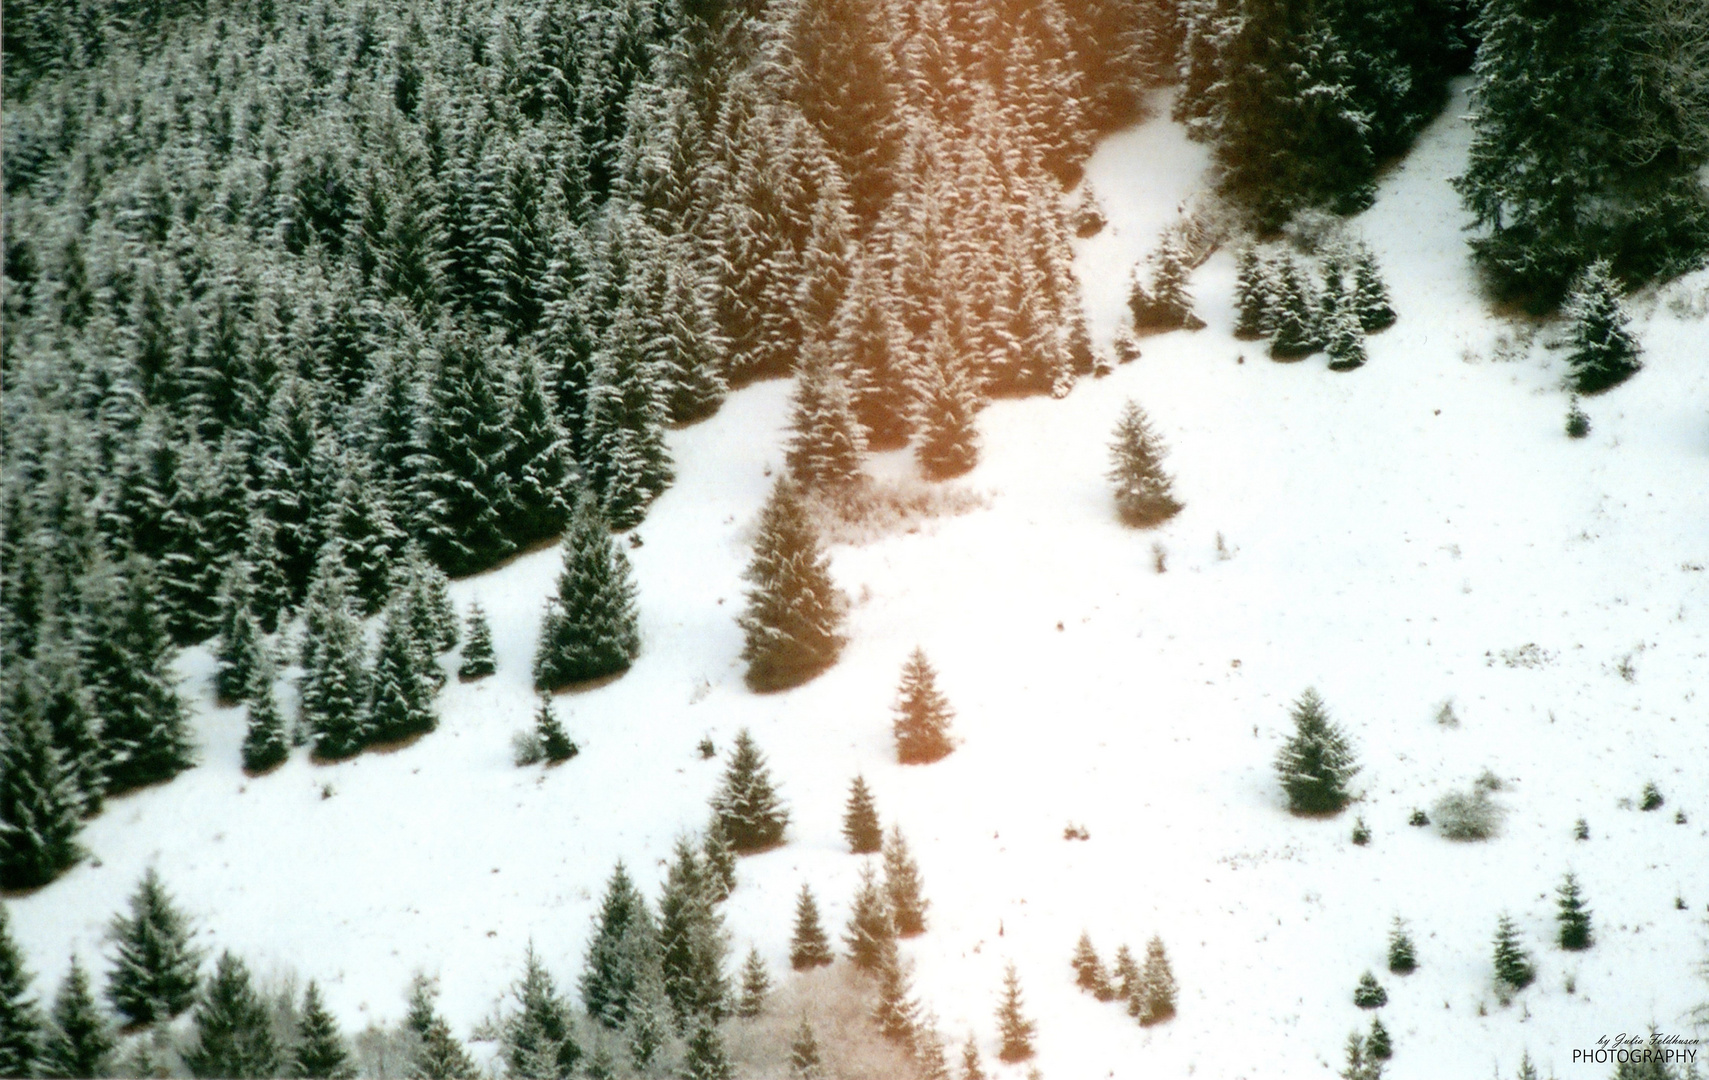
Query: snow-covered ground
{"type": "Point", "coordinates": [1393, 532]}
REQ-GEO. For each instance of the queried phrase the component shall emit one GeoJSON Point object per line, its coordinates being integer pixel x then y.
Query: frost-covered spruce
{"type": "Point", "coordinates": [860, 820]}
{"type": "Point", "coordinates": [1369, 994]}
{"type": "Point", "coordinates": [691, 942]}
{"type": "Point", "coordinates": [1512, 963]}
{"type": "Point", "coordinates": [804, 1061]}
{"type": "Point", "coordinates": [1604, 354]}
{"type": "Point", "coordinates": [234, 1028]}
{"type": "Point", "coordinates": [154, 967]}
{"type": "Point", "coordinates": [945, 420]}
{"type": "Point", "coordinates": [590, 628]}
{"type": "Point", "coordinates": [1370, 294]}
{"type": "Point", "coordinates": [462, 480]}
{"type": "Point", "coordinates": [1403, 959]}
{"type": "Point", "coordinates": [827, 444]}
{"type": "Point", "coordinates": [1378, 1044]}
{"type": "Point", "coordinates": [39, 807]}
{"type": "Point", "coordinates": [1164, 303]}
{"type": "Point", "coordinates": [1124, 974]}
{"type": "Point", "coordinates": [1251, 297]}
{"type": "Point", "coordinates": [625, 460]}
{"type": "Point", "coordinates": [80, 1041]}
{"type": "Point", "coordinates": [1154, 999]}
{"type": "Point", "coordinates": [554, 742]}
{"type": "Point", "coordinates": [923, 714]}
{"type": "Point", "coordinates": [625, 943]}
{"type": "Point", "coordinates": [756, 985]}
{"type": "Point", "coordinates": [319, 1051]}
{"type": "Point", "coordinates": [1572, 918]}
{"type": "Point", "coordinates": [896, 1012]}
{"type": "Point", "coordinates": [537, 1041]}
{"type": "Point", "coordinates": [1344, 339]}
{"type": "Point", "coordinates": [538, 467]}
{"type": "Point", "coordinates": [438, 1054]}
{"type": "Point", "coordinates": [808, 946]}
{"type": "Point", "coordinates": [1013, 1027]}
{"type": "Point", "coordinates": [1316, 763]}
{"type": "Point", "coordinates": [870, 926]}
{"type": "Point", "coordinates": [431, 611]}
{"type": "Point", "coordinates": [265, 741]}
{"type": "Point", "coordinates": [720, 861]}
{"type": "Point", "coordinates": [402, 702]}
{"type": "Point", "coordinates": [706, 1058]}
{"type": "Point", "coordinates": [1144, 493]}
{"type": "Point", "coordinates": [334, 686]}
{"type": "Point", "coordinates": [747, 807]}
{"type": "Point", "coordinates": [1089, 973]}
{"type": "Point", "coordinates": [1578, 423]}
{"type": "Point", "coordinates": [792, 628]}
{"type": "Point", "coordinates": [478, 660]}
{"type": "Point", "coordinates": [239, 641]}
{"type": "Point", "coordinates": [902, 886]}
{"type": "Point", "coordinates": [1293, 315]}
{"type": "Point", "coordinates": [20, 1020]}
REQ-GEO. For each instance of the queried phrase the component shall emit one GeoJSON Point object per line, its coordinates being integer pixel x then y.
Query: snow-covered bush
{"type": "Point", "coordinates": [1467, 815]}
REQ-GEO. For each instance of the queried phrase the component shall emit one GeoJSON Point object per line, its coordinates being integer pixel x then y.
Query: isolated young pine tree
{"type": "Point", "coordinates": [692, 944]}
{"type": "Point", "coordinates": [902, 886]}
{"type": "Point", "coordinates": [746, 804]}
{"type": "Point", "coordinates": [20, 1020]}
{"type": "Point", "coordinates": [1089, 973]}
{"type": "Point", "coordinates": [1316, 763]}
{"type": "Point", "coordinates": [1344, 339]}
{"type": "Point", "coordinates": [265, 741]}
{"type": "Point", "coordinates": [401, 705]}
{"type": "Point", "coordinates": [554, 742]}
{"type": "Point", "coordinates": [827, 443]}
{"type": "Point", "coordinates": [154, 967]}
{"type": "Point", "coordinates": [945, 424]}
{"type": "Point", "coordinates": [234, 1032]}
{"type": "Point", "coordinates": [80, 1040]}
{"type": "Point", "coordinates": [1144, 492]}
{"type": "Point", "coordinates": [1369, 994]}
{"type": "Point", "coordinates": [756, 985]}
{"type": "Point", "coordinates": [537, 1042]}
{"type": "Point", "coordinates": [1571, 916]}
{"type": "Point", "coordinates": [706, 1058]}
{"type": "Point", "coordinates": [1251, 297]}
{"type": "Point", "coordinates": [860, 820]}
{"type": "Point", "coordinates": [319, 1051]}
{"type": "Point", "coordinates": [39, 808]}
{"type": "Point", "coordinates": [923, 714]}
{"type": "Point", "coordinates": [334, 687]}
{"type": "Point", "coordinates": [1370, 295]}
{"type": "Point", "coordinates": [1512, 963]}
{"type": "Point", "coordinates": [478, 658]}
{"type": "Point", "coordinates": [1293, 318]}
{"type": "Point", "coordinates": [804, 1059]}
{"type": "Point", "coordinates": [590, 628]}
{"type": "Point", "coordinates": [1013, 1028]}
{"type": "Point", "coordinates": [808, 946]}
{"type": "Point", "coordinates": [792, 625]}
{"type": "Point", "coordinates": [1154, 1000]}
{"type": "Point", "coordinates": [1604, 354]}
{"type": "Point", "coordinates": [1403, 960]}
{"type": "Point", "coordinates": [870, 928]}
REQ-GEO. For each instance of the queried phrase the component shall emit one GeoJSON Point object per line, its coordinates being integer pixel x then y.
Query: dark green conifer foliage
{"type": "Point", "coordinates": [719, 858]}
{"type": "Point", "coordinates": [1403, 960]}
{"type": "Point", "coordinates": [1154, 999]}
{"type": "Point", "coordinates": [1293, 320]}
{"type": "Point", "coordinates": [39, 808]}
{"type": "Point", "coordinates": [1377, 1044]}
{"type": "Point", "coordinates": [69, 710]}
{"type": "Point", "coordinates": [1013, 1027]}
{"type": "Point", "coordinates": [1252, 299]}
{"type": "Point", "coordinates": [756, 986]}
{"type": "Point", "coordinates": [402, 703]}
{"type": "Point", "coordinates": [691, 943]}
{"type": "Point", "coordinates": [554, 742]}
{"type": "Point", "coordinates": [1145, 494]}
{"type": "Point", "coordinates": [1316, 763]}
{"type": "Point", "coordinates": [234, 1033]}
{"type": "Point", "coordinates": [334, 687]}
{"type": "Point", "coordinates": [478, 660]}
{"type": "Point", "coordinates": [538, 466]}
{"type": "Point", "coordinates": [625, 943]}
{"type": "Point", "coordinates": [1370, 294]}
{"type": "Point", "coordinates": [319, 1051]}
{"type": "Point", "coordinates": [590, 627]}
{"type": "Point", "coordinates": [827, 443]}
{"type": "Point", "coordinates": [1359, 1067]}
{"type": "Point", "coordinates": [804, 1058]}
{"type": "Point", "coordinates": [869, 348]}
{"type": "Point", "coordinates": [270, 588]}
{"type": "Point", "coordinates": [431, 614]}
{"type": "Point", "coordinates": [1344, 339]}
{"type": "Point", "coordinates": [625, 460]}
{"type": "Point", "coordinates": [945, 422]}
{"type": "Point", "coordinates": [537, 1042]}
{"type": "Point", "coordinates": [369, 540]}
{"type": "Point", "coordinates": [1572, 917]}
{"type": "Point", "coordinates": [1089, 973]}
{"type": "Point", "coordinates": [860, 820]}
{"type": "Point", "coordinates": [902, 886]}
{"type": "Point", "coordinates": [600, 1065]}
{"type": "Point", "coordinates": [20, 1021]}
{"type": "Point", "coordinates": [1164, 303]}
{"type": "Point", "coordinates": [1604, 354]}
{"type": "Point", "coordinates": [649, 1022]}
{"type": "Point", "coordinates": [439, 1056]}
{"type": "Point", "coordinates": [706, 1058]}
{"type": "Point", "coordinates": [1512, 963]}
{"type": "Point", "coordinates": [808, 946]}
{"type": "Point", "coordinates": [80, 1041]}
{"type": "Point", "coordinates": [871, 929]}
{"type": "Point", "coordinates": [240, 643]}
{"type": "Point", "coordinates": [1369, 994]}
{"type": "Point", "coordinates": [747, 807]}
{"type": "Point", "coordinates": [463, 483]}
{"type": "Point", "coordinates": [265, 742]}
{"type": "Point", "coordinates": [792, 625]}
{"type": "Point", "coordinates": [154, 967]}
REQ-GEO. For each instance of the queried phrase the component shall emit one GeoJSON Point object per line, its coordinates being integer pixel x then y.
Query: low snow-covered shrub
{"type": "Point", "coordinates": [1467, 815]}
{"type": "Point", "coordinates": [526, 748]}
{"type": "Point", "coordinates": [1652, 798]}
{"type": "Point", "coordinates": [873, 509]}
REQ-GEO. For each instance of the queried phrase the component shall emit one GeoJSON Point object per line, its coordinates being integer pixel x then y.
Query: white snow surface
{"type": "Point", "coordinates": [1393, 530]}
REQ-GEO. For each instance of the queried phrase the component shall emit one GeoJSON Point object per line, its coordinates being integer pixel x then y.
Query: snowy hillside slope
{"type": "Point", "coordinates": [1393, 531]}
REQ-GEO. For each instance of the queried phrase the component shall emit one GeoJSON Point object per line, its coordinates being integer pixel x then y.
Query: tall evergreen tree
{"type": "Point", "coordinates": [1144, 492]}
{"type": "Point", "coordinates": [1164, 302]}
{"type": "Point", "coordinates": [319, 1051]}
{"type": "Point", "coordinates": [692, 946]}
{"type": "Point", "coordinates": [538, 467]}
{"type": "Point", "coordinates": [1572, 917]}
{"type": "Point", "coordinates": [1125, 975]}
{"type": "Point", "coordinates": [1344, 339]}
{"type": "Point", "coordinates": [1512, 963]}
{"type": "Point", "coordinates": [369, 540]}
{"type": "Point", "coordinates": [902, 886]}
{"type": "Point", "coordinates": [804, 1058]}
{"type": "Point", "coordinates": [401, 701]}
{"type": "Point", "coordinates": [1604, 355]}
{"type": "Point", "coordinates": [234, 1033]}
{"type": "Point", "coordinates": [827, 443]}
{"type": "Point", "coordinates": [1251, 297]}
{"type": "Point", "coordinates": [589, 628]}
{"type": "Point", "coordinates": [625, 460]}
{"type": "Point", "coordinates": [1155, 1000]}
{"type": "Point", "coordinates": [871, 929]}
{"type": "Point", "coordinates": [625, 943]}
{"type": "Point", "coordinates": [719, 859]}
{"type": "Point", "coordinates": [746, 805]}
{"type": "Point", "coordinates": [439, 1055]}
{"type": "Point", "coordinates": [1316, 763]}
{"type": "Point", "coordinates": [478, 660]}
{"type": "Point", "coordinates": [79, 1043]}
{"type": "Point", "coordinates": [154, 970]}
{"type": "Point", "coordinates": [39, 808]}
{"type": "Point", "coordinates": [869, 349]}
{"type": "Point", "coordinates": [1293, 318]}
{"type": "Point", "coordinates": [923, 714]}
{"type": "Point", "coordinates": [69, 710]}
{"type": "Point", "coordinates": [463, 482]}
{"type": "Point", "coordinates": [947, 436]}
{"type": "Point", "coordinates": [537, 1042]}
{"type": "Point", "coordinates": [756, 985]}
{"type": "Point", "coordinates": [896, 1012]}
{"type": "Point", "coordinates": [1015, 1030]}
{"type": "Point", "coordinates": [706, 1058]}
{"type": "Point", "coordinates": [1089, 973]}
{"type": "Point", "coordinates": [20, 1021]}
{"type": "Point", "coordinates": [808, 946]}
{"type": "Point", "coordinates": [239, 644]}
{"type": "Point", "coordinates": [860, 820]}
{"type": "Point", "coordinates": [334, 687]}
{"type": "Point", "coordinates": [971, 1067]}
{"type": "Point", "coordinates": [792, 625]}
{"type": "Point", "coordinates": [265, 743]}
{"type": "Point", "coordinates": [1370, 295]}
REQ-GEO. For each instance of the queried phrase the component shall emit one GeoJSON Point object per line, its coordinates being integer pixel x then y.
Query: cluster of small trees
{"type": "Point", "coordinates": [1275, 298]}
{"type": "Point", "coordinates": [1149, 991]}
{"type": "Point", "coordinates": [1163, 302]}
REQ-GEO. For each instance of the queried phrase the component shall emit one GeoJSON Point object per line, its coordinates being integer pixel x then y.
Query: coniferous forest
{"type": "Point", "coordinates": [314, 313]}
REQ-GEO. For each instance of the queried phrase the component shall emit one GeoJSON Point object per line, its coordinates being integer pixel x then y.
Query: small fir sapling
{"type": "Point", "coordinates": [1370, 294]}
{"type": "Point", "coordinates": [1251, 297]}
{"type": "Point", "coordinates": [1089, 973]}
{"type": "Point", "coordinates": [1360, 1066]}
{"type": "Point", "coordinates": [746, 805]}
{"type": "Point", "coordinates": [871, 929]}
{"type": "Point", "coordinates": [792, 626]}
{"type": "Point", "coordinates": [860, 820]}
{"type": "Point", "coordinates": [1144, 492]}
{"type": "Point", "coordinates": [1013, 1028]}
{"type": "Point", "coordinates": [319, 1051]}
{"type": "Point", "coordinates": [923, 714]}
{"type": "Point", "coordinates": [265, 742]}
{"type": "Point", "coordinates": [1578, 424]}
{"type": "Point", "coordinates": [1125, 975]}
{"type": "Point", "coordinates": [1369, 994]}
{"type": "Point", "coordinates": [79, 1041]}
{"type": "Point", "coordinates": [1361, 834]}
{"type": "Point", "coordinates": [902, 886]}
{"type": "Point", "coordinates": [1403, 959]}
{"type": "Point", "coordinates": [154, 973]}
{"type": "Point", "coordinates": [1294, 333]}
{"type": "Point", "coordinates": [537, 1041]}
{"type": "Point", "coordinates": [756, 985]}
{"type": "Point", "coordinates": [808, 946]}
{"type": "Point", "coordinates": [1572, 917]}
{"type": "Point", "coordinates": [1581, 829]}
{"type": "Point", "coordinates": [1154, 1001]}
{"type": "Point", "coordinates": [706, 1058]}
{"type": "Point", "coordinates": [1651, 798]}
{"type": "Point", "coordinates": [1418, 818]}
{"type": "Point", "coordinates": [1512, 963]}
{"type": "Point", "coordinates": [1316, 763]}
{"type": "Point", "coordinates": [804, 1058]}
{"type": "Point", "coordinates": [971, 1067]}
{"type": "Point", "coordinates": [1126, 348]}
{"type": "Point", "coordinates": [1604, 353]}
{"type": "Point", "coordinates": [590, 627]}
{"type": "Point", "coordinates": [555, 746]}
{"type": "Point", "coordinates": [1344, 340]}
{"type": "Point", "coordinates": [1378, 1045]}
{"type": "Point", "coordinates": [706, 748]}
{"type": "Point", "coordinates": [478, 660]}
{"type": "Point", "coordinates": [234, 1031]}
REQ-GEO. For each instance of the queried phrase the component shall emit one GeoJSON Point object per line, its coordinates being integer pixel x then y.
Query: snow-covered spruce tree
{"type": "Point", "coordinates": [756, 985]}
{"type": "Point", "coordinates": [792, 625]}
{"type": "Point", "coordinates": [39, 808]}
{"type": "Point", "coordinates": [334, 687]}
{"type": "Point", "coordinates": [1512, 963]}
{"type": "Point", "coordinates": [20, 1020]}
{"type": "Point", "coordinates": [590, 628]}
{"type": "Point", "coordinates": [462, 480]}
{"type": "Point", "coordinates": [1154, 999]}
{"type": "Point", "coordinates": [808, 946]}
{"type": "Point", "coordinates": [625, 941]}
{"type": "Point", "coordinates": [1572, 918]}
{"type": "Point", "coordinates": [706, 1058]}
{"type": "Point", "coordinates": [1145, 494]}
{"type": "Point", "coordinates": [1370, 294]}
{"type": "Point", "coordinates": [692, 943]}
{"type": "Point", "coordinates": [1369, 994]}
{"type": "Point", "coordinates": [896, 1012]}
{"type": "Point", "coordinates": [1293, 317]}
{"type": "Point", "coordinates": [240, 640]}
{"type": "Point", "coordinates": [1316, 763]}
{"type": "Point", "coordinates": [1359, 1066]}
{"type": "Point", "coordinates": [1344, 339]}
{"type": "Point", "coordinates": [1124, 975]}
{"type": "Point", "coordinates": [478, 660]}
{"type": "Point", "coordinates": [1013, 1028]}
{"type": "Point", "coordinates": [860, 820]}
{"type": "Point", "coordinates": [1164, 303]}
{"type": "Point", "coordinates": [432, 614]}
{"type": "Point", "coordinates": [265, 740]}
{"type": "Point", "coordinates": [438, 1053]}
{"type": "Point", "coordinates": [625, 461]}
{"type": "Point", "coordinates": [1378, 1044]}
{"type": "Point", "coordinates": [827, 443]}
{"type": "Point", "coordinates": [870, 927]}
{"type": "Point", "coordinates": [1604, 354]}
{"type": "Point", "coordinates": [154, 967]}
{"type": "Point", "coordinates": [945, 420]}
{"type": "Point", "coordinates": [971, 1067]}
{"type": "Point", "coordinates": [719, 858]}
{"type": "Point", "coordinates": [1578, 421]}
{"type": "Point", "coordinates": [804, 1058]}
{"type": "Point", "coordinates": [370, 541]}
{"type": "Point", "coordinates": [538, 468]}
{"type": "Point", "coordinates": [1089, 973]}
{"type": "Point", "coordinates": [1251, 297]}
{"type": "Point", "coordinates": [554, 742]}
{"type": "Point", "coordinates": [401, 706]}
{"type": "Point", "coordinates": [902, 886]}
{"type": "Point", "coordinates": [746, 805]}
{"type": "Point", "coordinates": [923, 714]}
{"type": "Point", "coordinates": [319, 1051]}
{"type": "Point", "coordinates": [1403, 958]}
{"type": "Point", "coordinates": [537, 1041]}
{"type": "Point", "coordinates": [69, 710]}
{"type": "Point", "coordinates": [649, 1023]}
{"type": "Point", "coordinates": [80, 1041]}
{"type": "Point", "coordinates": [234, 1031]}
{"type": "Point", "coordinates": [870, 349]}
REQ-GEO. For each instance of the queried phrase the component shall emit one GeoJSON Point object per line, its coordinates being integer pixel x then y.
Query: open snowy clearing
{"type": "Point", "coordinates": [1397, 535]}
